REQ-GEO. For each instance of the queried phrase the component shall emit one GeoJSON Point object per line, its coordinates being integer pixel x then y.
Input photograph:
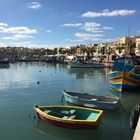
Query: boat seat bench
{"type": "Point", "coordinates": [72, 111]}
{"type": "Point", "coordinates": [92, 116]}
{"type": "Point", "coordinates": [65, 117]}
{"type": "Point", "coordinates": [69, 117]}
{"type": "Point", "coordinates": [47, 111]}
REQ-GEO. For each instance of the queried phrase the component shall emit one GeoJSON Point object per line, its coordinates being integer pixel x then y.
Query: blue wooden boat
{"type": "Point", "coordinates": [70, 116]}
{"type": "Point", "coordinates": [93, 101]}
{"type": "Point", "coordinates": [125, 74]}
{"type": "Point", "coordinates": [4, 63]}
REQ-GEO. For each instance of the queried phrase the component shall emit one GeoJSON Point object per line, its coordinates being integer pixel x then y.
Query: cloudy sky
{"type": "Point", "coordinates": [62, 23]}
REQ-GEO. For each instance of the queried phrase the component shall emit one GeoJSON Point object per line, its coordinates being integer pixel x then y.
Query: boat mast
{"type": "Point", "coordinates": [127, 46]}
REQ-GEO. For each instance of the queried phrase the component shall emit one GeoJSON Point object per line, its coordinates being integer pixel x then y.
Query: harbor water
{"type": "Point", "coordinates": [24, 85]}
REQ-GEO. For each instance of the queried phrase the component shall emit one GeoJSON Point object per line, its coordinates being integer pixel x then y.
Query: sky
{"type": "Point", "coordinates": [63, 23]}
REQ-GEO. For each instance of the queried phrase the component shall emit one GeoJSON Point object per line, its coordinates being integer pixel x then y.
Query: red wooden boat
{"type": "Point", "coordinates": [70, 116]}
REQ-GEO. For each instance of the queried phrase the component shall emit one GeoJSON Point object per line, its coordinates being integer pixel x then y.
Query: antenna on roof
{"type": "Point", "coordinates": [91, 34]}
{"type": "Point", "coordinates": [129, 30]}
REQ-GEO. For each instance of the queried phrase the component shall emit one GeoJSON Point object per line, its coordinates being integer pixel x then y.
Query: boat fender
{"type": "Point", "coordinates": [134, 116]}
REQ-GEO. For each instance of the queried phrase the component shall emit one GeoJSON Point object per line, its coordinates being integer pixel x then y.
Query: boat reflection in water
{"type": "Point", "coordinates": [80, 73]}
{"type": "Point", "coordinates": [59, 133]}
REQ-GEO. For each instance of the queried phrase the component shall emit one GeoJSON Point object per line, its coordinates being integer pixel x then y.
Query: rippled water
{"type": "Point", "coordinates": [19, 92]}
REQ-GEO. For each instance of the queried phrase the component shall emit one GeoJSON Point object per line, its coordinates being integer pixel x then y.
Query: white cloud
{"type": "Point", "coordinates": [3, 24]}
{"type": "Point", "coordinates": [17, 30]}
{"type": "Point", "coordinates": [92, 37]}
{"type": "Point", "coordinates": [23, 43]}
{"type": "Point", "coordinates": [9, 38]}
{"type": "Point", "coordinates": [34, 5]}
{"type": "Point", "coordinates": [48, 31]}
{"type": "Point", "coordinates": [109, 40]}
{"type": "Point", "coordinates": [85, 36]}
{"type": "Point", "coordinates": [92, 27]}
{"type": "Point", "coordinates": [72, 24]}
{"type": "Point", "coordinates": [17, 37]}
{"type": "Point", "coordinates": [89, 26]}
{"type": "Point", "coordinates": [107, 13]}
{"type": "Point", "coordinates": [108, 28]}
{"type": "Point", "coordinates": [72, 40]}
{"type": "Point", "coordinates": [21, 30]}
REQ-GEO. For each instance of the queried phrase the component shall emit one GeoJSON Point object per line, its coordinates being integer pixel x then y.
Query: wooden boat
{"type": "Point", "coordinates": [4, 63]}
{"type": "Point", "coordinates": [125, 74]}
{"type": "Point", "coordinates": [69, 116]}
{"type": "Point", "coordinates": [88, 100]}
{"type": "Point", "coordinates": [81, 64]}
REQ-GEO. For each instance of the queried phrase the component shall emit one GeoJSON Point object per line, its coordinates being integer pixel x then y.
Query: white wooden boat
{"type": "Point", "coordinates": [88, 100]}
{"type": "Point", "coordinates": [80, 64]}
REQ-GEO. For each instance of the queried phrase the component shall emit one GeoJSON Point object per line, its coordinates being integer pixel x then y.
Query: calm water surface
{"type": "Point", "coordinates": [19, 92]}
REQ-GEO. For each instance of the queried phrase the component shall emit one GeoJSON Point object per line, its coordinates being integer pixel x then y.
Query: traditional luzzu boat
{"type": "Point", "coordinates": [92, 101]}
{"type": "Point", "coordinates": [69, 116]}
{"type": "Point", "coordinates": [125, 74]}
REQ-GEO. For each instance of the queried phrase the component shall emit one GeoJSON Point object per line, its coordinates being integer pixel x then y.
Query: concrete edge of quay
{"type": "Point", "coordinates": [137, 131]}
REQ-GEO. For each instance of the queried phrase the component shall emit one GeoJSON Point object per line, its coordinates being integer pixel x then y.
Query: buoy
{"type": "Point", "coordinates": [40, 71]}
{"type": "Point", "coordinates": [37, 82]}
{"type": "Point", "coordinates": [134, 116]}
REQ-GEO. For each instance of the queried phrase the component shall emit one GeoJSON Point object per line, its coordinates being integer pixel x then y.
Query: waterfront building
{"type": "Point", "coordinates": [138, 46]}
{"type": "Point", "coordinates": [132, 43]}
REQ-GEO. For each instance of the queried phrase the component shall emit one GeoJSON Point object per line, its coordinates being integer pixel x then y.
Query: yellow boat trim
{"type": "Point", "coordinates": [112, 72]}
{"type": "Point", "coordinates": [120, 82]}
{"type": "Point", "coordinates": [118, 72]}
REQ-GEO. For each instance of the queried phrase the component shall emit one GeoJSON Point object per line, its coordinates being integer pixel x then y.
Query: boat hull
{"type": "Point", "coordinates": [85, 65]}
{"type": "Point", "coordinates": [67, 123]}
{"type": "Point", "coordinates": [124, 81]}
{"type": "Point", "coordinates": [101, 102]}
